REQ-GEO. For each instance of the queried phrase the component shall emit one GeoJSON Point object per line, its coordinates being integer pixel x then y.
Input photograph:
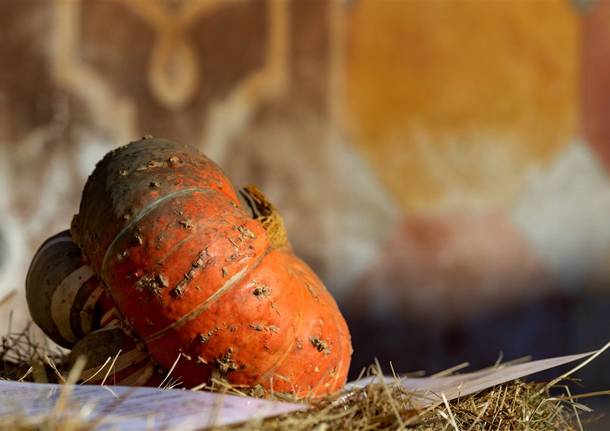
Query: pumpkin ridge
{"type": "Point", "coordinates": [341, 348]}
{"type": "Point", "coordinates": [285, 354]}
{"type": "Point", "coordinates": [177, 245]}
{"type": "Point", "coordinates": [330, 367]}
{"type": "Point", "coordinates": [141, 214]}
{"type": "Point", "coordinates": [219, 293]}
{"type": "Point", "coordinates": [323, 375]}
{"type": "Point", "coordinates": [340, 356]}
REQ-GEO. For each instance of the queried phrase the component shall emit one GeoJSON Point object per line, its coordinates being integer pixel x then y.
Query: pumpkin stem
{"type": "Point", "coordinates": [267, 214]}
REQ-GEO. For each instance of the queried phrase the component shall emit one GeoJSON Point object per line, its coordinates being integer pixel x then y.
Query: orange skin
{"type": "Point", "coordinates": [196, 276]}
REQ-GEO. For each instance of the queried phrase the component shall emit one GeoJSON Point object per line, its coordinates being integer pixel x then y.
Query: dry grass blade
{"type": "Point", "coordinates": [21, 358]}
{"type": "Point", "coordinates": [578, 367]}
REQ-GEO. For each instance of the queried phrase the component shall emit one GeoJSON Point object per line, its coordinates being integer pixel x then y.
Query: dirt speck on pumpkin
{"type": "Point", "coordinates": [256, 326]}
{"type": "Point", "coordinates": [260, 327]}
{"type": "Point", "coordinates": [174, 161]}
{"type": "Point", "coordinates": [200, 259]}
{"type": "Point", "coordinates": [225, 363]}
{"type": "Point", "coordinates": [196, 266]}
{"type": "Point", "coordinates": [153, 283]}
{"type": "Point", "coordinates": [233, 258]}
{"type": "Point", "coordinates": [261, 291]}
{"type": "Point", "coordinates": [320, 345]}
{"type": "Point", "coordinates": [151, 164]}
{"type": "Point", "coordinates": [122, 255]}
{"type": "Point", "coordinates": [162, 279]}
{"type": "Point", "coordinates": [186, 224]}
{"type": "Point", "coordinates": [178, 291]}
{"type": "Point", "coordinates": [244, 231]}
{"type": "Point", "coordinates": [204, 338]}
{"type": "Point", "coordinates": [138, 239]}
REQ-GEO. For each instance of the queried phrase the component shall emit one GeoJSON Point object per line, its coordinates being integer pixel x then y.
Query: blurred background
{"type": "Point", "coordinates": [443, 165]}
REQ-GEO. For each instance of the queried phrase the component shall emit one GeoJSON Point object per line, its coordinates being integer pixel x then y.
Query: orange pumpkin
{"type": "Point", "coordinates": [197, 277]}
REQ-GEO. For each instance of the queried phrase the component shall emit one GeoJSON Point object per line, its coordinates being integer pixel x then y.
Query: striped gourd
{"type": "Point", "coordinates": [113, 357]}
{"type": "Point", "coordinates": [62, 291]}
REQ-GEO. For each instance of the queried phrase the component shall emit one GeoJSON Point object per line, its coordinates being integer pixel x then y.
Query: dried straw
{"type": "Point", "coordinates": [517, 405]}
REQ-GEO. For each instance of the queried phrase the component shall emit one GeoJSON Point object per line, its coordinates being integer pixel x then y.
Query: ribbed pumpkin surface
{"type": "Point", "coordinates": [196, 276]}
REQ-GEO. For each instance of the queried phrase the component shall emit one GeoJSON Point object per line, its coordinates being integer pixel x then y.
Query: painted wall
{"type": "Point", "coordinates": [442, 165]}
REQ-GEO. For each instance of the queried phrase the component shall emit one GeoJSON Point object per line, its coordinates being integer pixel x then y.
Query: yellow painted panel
{"type": "Point", "coordinates": [452, 101]}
